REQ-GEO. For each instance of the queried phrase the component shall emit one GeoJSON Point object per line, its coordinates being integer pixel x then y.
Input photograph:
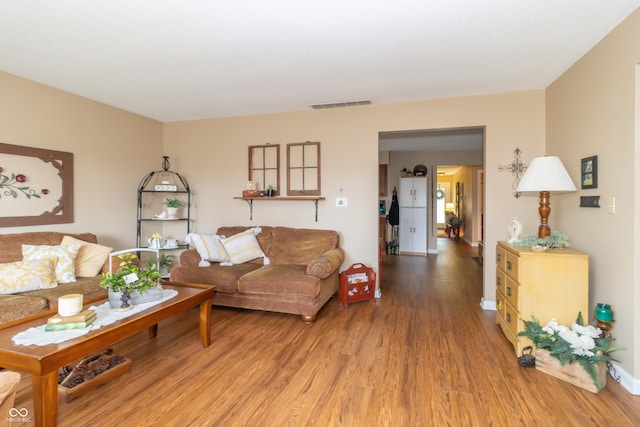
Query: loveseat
{"type": "Point", "coordinates": [295, 270]}
{"type": "Point", "coordinates": [20, 306]}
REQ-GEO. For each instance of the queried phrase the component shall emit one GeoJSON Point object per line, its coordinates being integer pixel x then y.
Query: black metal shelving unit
{"type": "Point", "coordinates": [153, 189]}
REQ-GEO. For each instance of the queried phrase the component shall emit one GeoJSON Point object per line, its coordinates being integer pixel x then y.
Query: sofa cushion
{"type": "Point", "coordinates": [264, 238]}
{"type": "Point", "coordinates": [16, 307]}
{"type": "Point", "coordinates": [209, 248]}
{"type": "Point", "coordinates": [91, 256]}
{"type": "Point", "coordinates": [279, 279]}
{"type": "Point", "coordinates": [300, 246]}
{"type": "Point", "coordinates": [223, 278]}
{"type": "Point", "coordinates": [243, 247]}
{"type": "Point", "coordinates": [66, 254]}
{"type": "Point", "coordinates": [89, 287]}
{"type": "Point", "coordinates": [11, 244]}
{"type": "Point", "coordinates": [24, 276]}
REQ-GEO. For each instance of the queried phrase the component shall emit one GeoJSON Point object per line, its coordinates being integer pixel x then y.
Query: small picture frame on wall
{"type": "Point", "coordinates": [589, 172]}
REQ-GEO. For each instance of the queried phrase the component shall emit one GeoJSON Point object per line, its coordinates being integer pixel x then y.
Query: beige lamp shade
{"type": "Point", "coordinates": [546, 174]}
{"type": "Point", "coordinates": [449, 207]}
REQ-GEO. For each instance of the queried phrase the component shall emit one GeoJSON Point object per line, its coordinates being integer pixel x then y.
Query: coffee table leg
{"type": "Point", "coordinates": [153, 331]}
{"type": "Point", "coordinates": [205, 322]}
{"type": "Point", "coordinates": [45, 399]}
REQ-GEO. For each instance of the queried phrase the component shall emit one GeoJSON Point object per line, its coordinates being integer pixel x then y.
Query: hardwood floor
{"type": "Point", "coordinates": [425, 355]}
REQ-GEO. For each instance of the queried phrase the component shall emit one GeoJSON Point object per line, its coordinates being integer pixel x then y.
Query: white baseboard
{"type": "Point", "coordinates": [632, 385]}
{"type": "Point", "coordinates": [487, 305]}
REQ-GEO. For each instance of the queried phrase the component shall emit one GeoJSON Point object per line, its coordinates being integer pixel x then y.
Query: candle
{"type": "Point", "coordinates": [70, 305]}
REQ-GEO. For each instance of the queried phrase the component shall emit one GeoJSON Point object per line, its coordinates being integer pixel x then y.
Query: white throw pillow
{"type": "Point", "coordinates": [243, 247]}
{"type": "Point", "coordinates": [209, 248]}
{"type": "Point", "coordinates": [24, 276]}
{"type": "Point", "coordinates": [66, 254]}
{"type": "Point", "coordinates": [91, 256]}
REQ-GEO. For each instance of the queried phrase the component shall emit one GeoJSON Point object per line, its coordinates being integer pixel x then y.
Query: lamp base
{"type": "Point", "coordinates": [544, 209]}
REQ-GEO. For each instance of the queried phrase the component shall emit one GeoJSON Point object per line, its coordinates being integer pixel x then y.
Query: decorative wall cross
{"type": "Point", "coordinates": [517, 168]}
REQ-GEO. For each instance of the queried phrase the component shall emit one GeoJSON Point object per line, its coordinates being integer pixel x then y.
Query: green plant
{"type": "Point", "coordinates": [163, 260]}
{"type": "Point", "coordinates": [270, 187]}
{"type": "Point", "coordinates": [172, 203]}
{"type": "Point", "coordinates": [555, 240]}
{"type": "Point", "coordinates": [130, 276]}
{"type": "Point", "coordinates": [456, 221]}
{"type": "Point", "coordinates": [578, 344]}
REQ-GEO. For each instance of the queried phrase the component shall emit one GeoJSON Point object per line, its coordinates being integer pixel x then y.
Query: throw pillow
{"type": "Point", "coordinates": [66, 254]}
{"type": "Point", "coordinates": [209, 248]}
{"type": "Point", "coordinates": [91, 256]}
{"type": "Point", "coordinates": [243, 247]}
{"type": "Point", "coordinates": [24, 276]}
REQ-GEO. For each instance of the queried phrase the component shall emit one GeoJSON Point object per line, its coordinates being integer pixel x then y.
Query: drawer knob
{"type": "Point", "coordinates": [508, 265]}
{"type": "Point", "coordinates": [509, 291]}
{"type": "Point", "coordinates": [509, 317]}
{"type": "Point", "coordinates": [498, 257]}
{"type": "Point", "coordinates": [499, 281]}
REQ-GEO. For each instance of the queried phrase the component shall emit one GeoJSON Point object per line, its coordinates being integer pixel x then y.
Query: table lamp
{"type": "Point", "coordinates": [449, 207]}
{"type": "Point", "coordinates": [546, 174]}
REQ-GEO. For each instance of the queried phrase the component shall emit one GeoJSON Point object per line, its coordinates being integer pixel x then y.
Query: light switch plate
{"type": "Point", "coordinates": [341, 202]}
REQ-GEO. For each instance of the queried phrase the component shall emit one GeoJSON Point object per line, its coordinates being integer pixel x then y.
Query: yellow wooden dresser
{"type": "Point", "coordinates": [551, 284]}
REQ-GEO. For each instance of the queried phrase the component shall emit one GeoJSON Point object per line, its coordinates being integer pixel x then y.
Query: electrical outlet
{"type": "Point", "coordinates": [341, 202]}
{"type": "Point", "coordinates": [612, 205]}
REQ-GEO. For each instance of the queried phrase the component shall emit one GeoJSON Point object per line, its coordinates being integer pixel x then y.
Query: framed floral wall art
{"type": "Point", "coordinates": [36, 186]}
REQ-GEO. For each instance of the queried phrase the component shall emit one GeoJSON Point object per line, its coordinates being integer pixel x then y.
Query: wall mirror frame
{"type": "Point", "coordinates": [264, 166]}
{"type": "Point", "coordinates": [303, 169]}
{"type": "Point", "coordinates": [36, 186]}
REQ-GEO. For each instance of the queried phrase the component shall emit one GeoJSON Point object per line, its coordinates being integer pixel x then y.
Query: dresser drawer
{"type": "Point", "coordinates": [501, 258]}
{"type": "Point", "coordinates": [501, 281]}
{"type": "Point", "coordinates": [511, 318]}
{"type": "Point", "coordinates": [511, 292]}
{"type": "Point", "coordinates": [511, 265]}
{"type": "Point", "coordinates": [501, 304]}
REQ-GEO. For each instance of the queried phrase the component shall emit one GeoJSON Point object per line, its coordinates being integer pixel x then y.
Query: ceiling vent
{"type": "Point", "coordinates": [341, 104]}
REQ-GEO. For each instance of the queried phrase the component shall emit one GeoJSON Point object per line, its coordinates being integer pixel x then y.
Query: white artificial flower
{"type": "Point", "coordinates": [583, 346]}
{"type": "Point", "coordinates": [551, 327]}
{"type": "Point", "coordinates": [588, 330]}
{"type": "Point", "coordinates": [570, 336]}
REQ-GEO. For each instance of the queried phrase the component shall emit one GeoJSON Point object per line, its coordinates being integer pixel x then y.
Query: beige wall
{"type": "Point", "coordinates": [590, 111]}
{"type": "Point", "coordinates": [112, 149]}
{"type": "Point", "coordinates": [213, 156]}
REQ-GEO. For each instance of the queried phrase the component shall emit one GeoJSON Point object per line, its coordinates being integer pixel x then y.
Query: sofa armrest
{"type": "Point", "coordinates": [327, 263]}
{"type": "Point", "coordinates": [189, 258]}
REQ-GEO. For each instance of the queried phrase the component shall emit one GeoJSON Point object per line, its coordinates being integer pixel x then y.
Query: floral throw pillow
{"type": "Point", "coordinates": [24, 276]}
{"type": "Point", "coordinates": [66, 255]}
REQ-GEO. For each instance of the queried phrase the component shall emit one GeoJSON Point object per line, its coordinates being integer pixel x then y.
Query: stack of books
{"type": "Point", "coordinates": [77, 321]}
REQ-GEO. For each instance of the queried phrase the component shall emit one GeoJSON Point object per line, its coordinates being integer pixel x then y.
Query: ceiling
{"type": "Point", "coordinates": [193, 59]}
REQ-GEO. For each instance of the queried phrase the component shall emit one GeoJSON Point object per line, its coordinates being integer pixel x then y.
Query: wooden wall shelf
{"type": "Point", "coordinates": [250, 200]}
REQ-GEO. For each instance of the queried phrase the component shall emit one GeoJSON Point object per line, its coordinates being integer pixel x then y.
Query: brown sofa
{"type": "Point", "coordinates": [301, 277]}
{"type": "Point", "coordinates": [17, 308]}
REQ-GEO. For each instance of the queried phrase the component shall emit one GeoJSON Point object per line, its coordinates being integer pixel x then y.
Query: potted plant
{"type": "Point", "coordinates": [270, 190]}
{"type": "Point", "coordinates": [132, 283]}
{"type": "Point", "coordinates": [172, 205]}
{"type": "Point", "coordinates": [584, 346]}
{"type": "Point", "coordinates": [164, 261]}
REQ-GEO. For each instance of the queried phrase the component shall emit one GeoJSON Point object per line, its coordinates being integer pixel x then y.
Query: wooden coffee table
{"type": "Point", "coordinates": [43, 362]}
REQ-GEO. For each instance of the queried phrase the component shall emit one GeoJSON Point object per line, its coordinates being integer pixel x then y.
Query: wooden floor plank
{"type": "Point", "coordinates": [425, 355]}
